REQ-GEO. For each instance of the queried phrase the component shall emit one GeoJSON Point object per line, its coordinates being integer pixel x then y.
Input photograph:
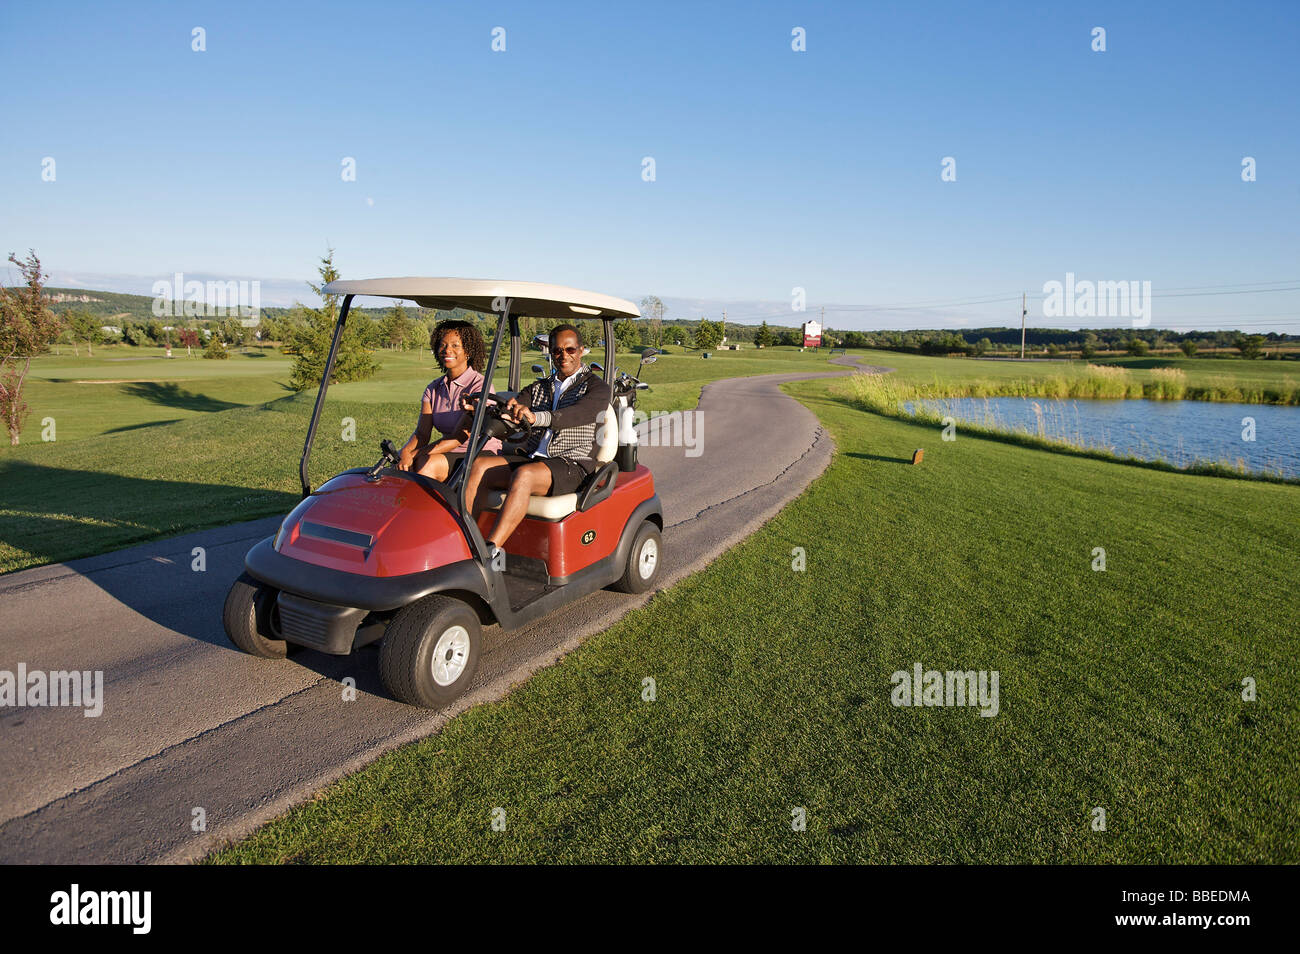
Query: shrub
{"type": "Point", "coordinates": [216, 349]}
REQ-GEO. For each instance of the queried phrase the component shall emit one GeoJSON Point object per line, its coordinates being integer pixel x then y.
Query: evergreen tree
{"type": "Point", "coordinates": [216, 348]}
{"type": "Point", "coordinates": [314, 331]}
{"type": "Point", "coordinates": [397, 330]}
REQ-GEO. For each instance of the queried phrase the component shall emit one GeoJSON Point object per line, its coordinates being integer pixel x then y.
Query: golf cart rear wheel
{"type": "Point", "coordinates": [430, 651]}
{"type": "Point", "coordinates": [643, 560]}
{"type": "Point", "coordinates": [252, 619]}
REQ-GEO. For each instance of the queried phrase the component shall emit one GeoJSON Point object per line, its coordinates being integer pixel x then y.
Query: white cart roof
{"type": "Point", "coordinates": [530, 299]}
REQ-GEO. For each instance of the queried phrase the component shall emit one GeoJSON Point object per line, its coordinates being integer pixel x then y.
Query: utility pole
{"type": "Point", "coordinates": [1024, 310]}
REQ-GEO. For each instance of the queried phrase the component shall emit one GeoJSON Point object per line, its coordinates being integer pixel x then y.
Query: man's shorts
{"type": "Point", "coordinates": [566, 474]}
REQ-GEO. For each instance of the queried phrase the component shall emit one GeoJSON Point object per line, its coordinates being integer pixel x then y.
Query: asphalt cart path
{"type": "Point", "coordinates": [198, 743]}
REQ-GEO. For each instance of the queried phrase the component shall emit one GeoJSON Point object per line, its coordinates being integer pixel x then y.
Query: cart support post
{"type": "Point", "coordinates": [609, 350]}
{"type": "Point", "coordinates": [320, 395]}
{"type": "Point", "coordinates": [474, 445]}
{"type": "Point", "coordinates": [516, 355]}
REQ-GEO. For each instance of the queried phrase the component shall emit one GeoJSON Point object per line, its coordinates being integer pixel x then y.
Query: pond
{"type": "Point", "coordinates": [1179, 432]}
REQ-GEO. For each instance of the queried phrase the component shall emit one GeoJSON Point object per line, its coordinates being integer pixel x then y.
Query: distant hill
{"type": "Point", "coordinates": [100, 303]}
{"type": "Point", "coordinates": [116, 305]}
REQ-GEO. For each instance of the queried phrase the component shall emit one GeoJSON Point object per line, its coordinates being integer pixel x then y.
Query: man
{"type": "Point", "coordinates": [561, 451]}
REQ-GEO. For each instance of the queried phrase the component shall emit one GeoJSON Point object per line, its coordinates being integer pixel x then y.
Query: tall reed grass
{"type": "Point", "coordinates": [1095, 382]}
{"type": "Point", "coordinates": [887, 394]}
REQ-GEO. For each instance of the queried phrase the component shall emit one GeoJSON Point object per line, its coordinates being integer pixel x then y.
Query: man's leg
{"type": "Point", "coordinates": [528, 480]}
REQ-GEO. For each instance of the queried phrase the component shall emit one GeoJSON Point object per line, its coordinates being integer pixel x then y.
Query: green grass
{"type": "Point", "coordinates": [187, 443]}
{"type": "Point", "coordinates": [120, 390]}
{"type": "Point", "coordinates": [1119, 689]}
{"type": "Point", "coordinates": [123, 388]}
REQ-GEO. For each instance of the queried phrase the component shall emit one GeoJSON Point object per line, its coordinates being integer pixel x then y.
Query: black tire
{"type": "Point", "coordinates": [406, 656]}
{"type": "Point", "coordinates": [250, 616]}
{"type": "Point", "coordinates": [642, 568]}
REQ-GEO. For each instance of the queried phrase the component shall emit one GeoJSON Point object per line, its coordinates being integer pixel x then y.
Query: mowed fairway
{"type": "Point", "coordinates": [148, 447]}
{"type": "Point", "coordinates": [1119, 690]}
{"type": "Point", "coordinates": [122, 389]}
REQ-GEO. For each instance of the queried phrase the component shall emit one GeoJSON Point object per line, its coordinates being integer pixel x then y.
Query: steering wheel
{"type": "Point", "coordinates": [498, 424]}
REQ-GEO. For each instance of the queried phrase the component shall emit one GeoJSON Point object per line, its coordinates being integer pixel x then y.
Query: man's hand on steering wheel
{"type": "Point", "coordinates": [520, 412]}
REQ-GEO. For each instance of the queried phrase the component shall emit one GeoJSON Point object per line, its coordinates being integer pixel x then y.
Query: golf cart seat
{"type": "Point", "coordinates": [592, 490]}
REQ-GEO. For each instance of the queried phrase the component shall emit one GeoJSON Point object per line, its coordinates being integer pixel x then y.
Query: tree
{"type": "Point", "coordinates": [652, 309]}
{"type": "Point", "coordinates": [312, 337]}
{"type": "Point", "coordinates": [764, 337]}
{"type": "Point", "coordinates": [268, 328]}
{"type": "Point", "coordinates": [1137, 347]}
{"type": "Point", "coordinates": [627, 334]}
{"type": "Point", "coordinates": [1090, 343]}
{"type": "Point", "coordinates": [135, 334]}
{"type": "Point", "coordinates": [1249, 345]}
{"type": "Point", "coordinates": [216, 348]}
{"type": "Point", "coordinates": [1188, 347]}
{"type": "Point", "coordinates": [983, 346]}
{"type": "Point", "coordinates": [84, 327]}
{"type": "Point", "coordinates": [189, 337]}
{"type": "Point", "coordinates": [369, 331]}
{"type": "Point", "coordinates": [397, 330]}
{"type": "Point", "coordinates": [27, 328]}
{"type": "Point", "coordinates": [708, 335]}
{"type": "Point", "coordinates": [233, 331]}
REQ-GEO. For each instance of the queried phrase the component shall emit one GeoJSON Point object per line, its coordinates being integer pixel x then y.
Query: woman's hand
{"type": "Point", "coordinates": [405, 459]}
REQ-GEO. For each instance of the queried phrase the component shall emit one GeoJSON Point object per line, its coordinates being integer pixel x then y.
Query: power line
{"type": "Point", "coordinates": [1242, 288]}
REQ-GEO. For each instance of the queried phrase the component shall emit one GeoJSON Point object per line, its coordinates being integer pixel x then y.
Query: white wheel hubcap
{"type": "Point", "coordinates": [450, 655]}
{"type": "Point", "coordinates": [649, 557]}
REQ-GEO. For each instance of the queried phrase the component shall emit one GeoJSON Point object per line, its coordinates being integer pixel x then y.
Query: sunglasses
{"type": "Point", "coordinates": [569, 350]}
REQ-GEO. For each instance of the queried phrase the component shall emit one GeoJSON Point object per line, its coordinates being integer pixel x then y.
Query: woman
{"type": "Point", "coordinates": [460, 351]}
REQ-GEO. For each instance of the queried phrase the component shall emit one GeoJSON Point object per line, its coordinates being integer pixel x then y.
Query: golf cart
{"type": "Point", "coordinates": [378, 553]}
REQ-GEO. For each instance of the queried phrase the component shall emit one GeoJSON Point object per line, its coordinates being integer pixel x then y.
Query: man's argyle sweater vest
{"type": "Point", "coordinates": [575, 424]}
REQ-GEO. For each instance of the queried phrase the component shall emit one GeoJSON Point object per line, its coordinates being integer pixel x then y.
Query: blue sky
{"type": "Point", "coordinates": [774, 168]}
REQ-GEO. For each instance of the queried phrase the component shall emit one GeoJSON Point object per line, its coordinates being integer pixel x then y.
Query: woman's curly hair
{"type": "Point", "coordinates": [470, 339]}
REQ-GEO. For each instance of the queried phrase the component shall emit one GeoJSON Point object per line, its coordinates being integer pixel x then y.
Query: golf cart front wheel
{"type": "Point", "coordinates": [430, 651]}
{"type": "Point", "coordinates": [252, 619]}
{"type": "Point", "coordinates": [643, 561]}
